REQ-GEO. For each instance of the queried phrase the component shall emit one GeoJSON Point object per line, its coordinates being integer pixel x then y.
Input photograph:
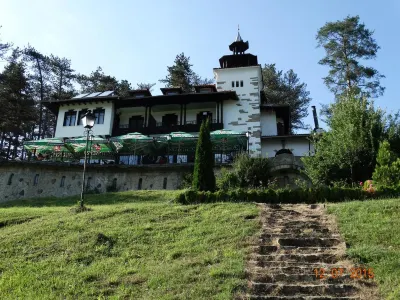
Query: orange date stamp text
{"type": "Point", "coordinates": [355, 273]}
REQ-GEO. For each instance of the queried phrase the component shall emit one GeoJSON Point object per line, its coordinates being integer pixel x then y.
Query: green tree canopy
{"type": "Point", "coordinates": [347, 152]}
{"type": "Point", "coordinates": [97, 81]}
{"type": "Point", "coordinates": [182, 75]}
{"type": "Point", "coordinates": [347, 44]}
{"type": "Point", "coordinates": [285, 88]}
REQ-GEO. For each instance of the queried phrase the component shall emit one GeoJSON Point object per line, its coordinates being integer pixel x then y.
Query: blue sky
{"type": "Point", "coordinates": [137, 40]}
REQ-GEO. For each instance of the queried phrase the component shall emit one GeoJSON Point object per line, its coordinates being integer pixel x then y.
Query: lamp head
{"type": "Point", "coordinates": [88, 119]}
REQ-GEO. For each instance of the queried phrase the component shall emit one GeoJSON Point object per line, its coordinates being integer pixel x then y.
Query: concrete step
{"type": "Point", "coordinates": [289, 268]}
{"type": "Point", "coordinates": [267, 249]}
{"type": "Point", "coordinates": [300, 297]}
{"type": "Point", "coordinates": [281, 264]}
{"type": "Point", "coordinates": [309, 242]}
{"type": "Point", "coordinates": [299, 258]}
{"type": "Point", "coordinates": [297, 278]}
{"type": "Point", "coordinates": [284, 289]}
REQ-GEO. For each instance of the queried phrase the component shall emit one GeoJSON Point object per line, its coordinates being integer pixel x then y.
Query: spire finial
{"type": "Point", "coordinates": [238, 37]}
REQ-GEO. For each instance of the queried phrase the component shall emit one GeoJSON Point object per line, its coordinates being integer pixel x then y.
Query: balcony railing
{"type": "Point", "coordinates": [162, 128]}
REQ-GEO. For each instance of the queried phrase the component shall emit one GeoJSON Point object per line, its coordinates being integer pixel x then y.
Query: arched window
{"type": "Point", "coordinates": [36, 179]}
{"type": "Point", "coordinates": [10, 179]}
{"type": "Point", "coordinates": [165, 183]}
{"type": "Point", "coordinates": [62, 182]}
{"type": "Point", "coordinates": [140, 184]}
{"type": "Point", "coordinates": [283, 151]}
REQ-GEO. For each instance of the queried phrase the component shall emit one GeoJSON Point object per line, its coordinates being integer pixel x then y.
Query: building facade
{"type": "Point", "coordinates": [235, 102]}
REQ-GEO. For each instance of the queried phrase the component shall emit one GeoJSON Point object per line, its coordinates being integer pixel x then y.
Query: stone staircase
{"type": "Point", "coordinates": [297, 243]}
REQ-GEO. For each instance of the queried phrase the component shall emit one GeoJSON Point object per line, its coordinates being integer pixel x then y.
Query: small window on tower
{"type": "Point", "coordinates": [233, 84]}
{"type": "Point", "coordinates": [241, 83]}
{"type": "Point", "coordinates": [237, 83]}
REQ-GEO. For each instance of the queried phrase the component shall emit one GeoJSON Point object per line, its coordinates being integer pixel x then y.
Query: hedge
{"type": "Point", "coordinates": [308, 195]}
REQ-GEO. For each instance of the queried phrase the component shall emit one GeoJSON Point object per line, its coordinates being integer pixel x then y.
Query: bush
{"type": "Point", "coordinates": [246, 172]}
{"type": "Point", "coordinates": [304, 195]}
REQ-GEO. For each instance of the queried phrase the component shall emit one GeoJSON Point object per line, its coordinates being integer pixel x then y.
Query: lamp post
{"type": "Point", "coordinates": [248, 141]}
{"type": "Point", "coordinates": [169, 137]}
{"type": "Point", "coordinates": [88, 122]}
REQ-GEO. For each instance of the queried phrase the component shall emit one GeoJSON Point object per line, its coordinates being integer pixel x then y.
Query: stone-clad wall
{"type": "Point", "coordinates": [20, 180]}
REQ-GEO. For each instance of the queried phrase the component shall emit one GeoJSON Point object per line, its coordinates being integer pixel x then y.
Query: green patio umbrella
{"type": "Point", "coordinates": [98, 146]}
{"type": "Point", "coordinates": [132, 142]}
{"type": "Point", "coordinates": [228, 140]}
{"type": "Point", "coordinates": [181, 142]}
{"type": "Point", "coordinates": [50, 146]}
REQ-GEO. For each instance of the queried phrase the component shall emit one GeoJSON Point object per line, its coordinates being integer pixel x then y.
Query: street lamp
{"type": "Point", "coordinates": [88, 120]}
{"type": "Point", "coordinates": [248, 133]}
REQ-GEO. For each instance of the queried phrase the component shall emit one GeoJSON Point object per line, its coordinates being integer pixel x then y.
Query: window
{"type": "Point", "coordinates": [36, 179]}
{"type": "Point", "coordinates": [233, 84]}
{"type": "Point", "coordinates": [237, 83]}
{"type": "Point", "coordinates": [136, 122]}
{"type": "Point", "coordinates": [70, 118]}
{"type": "Point", "coordinates": [62, 181]}
{"type": "Point", "coordinates": [241, 83]}
{"type": "Point", "coordinates": [99, 114]}
{"type": "Point", "coordinates": [205, 90]}
{"type": "Point", "coordinates": [80, 115]}
{"type": "Point", "coordinates": [89, 180]}
{"type": "Point", "coordinates": [140, 184]}
{"type": "Point", "coordinates": [165, 183]}
{"type": "Point", "coordinates": [10, 179]}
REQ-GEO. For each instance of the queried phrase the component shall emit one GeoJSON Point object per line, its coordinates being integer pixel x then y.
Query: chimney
{"type": "Point", "coordinates": [315, 118]}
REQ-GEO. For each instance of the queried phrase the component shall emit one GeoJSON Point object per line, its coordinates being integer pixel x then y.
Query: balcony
{"type": "Point", "coordinates": [161, 128]}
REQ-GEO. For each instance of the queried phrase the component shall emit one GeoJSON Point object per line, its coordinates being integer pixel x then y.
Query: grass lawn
{"type": "Point", "coordinates": [372, 229]}
{"type": "Point", "coordinates": [132, 245]}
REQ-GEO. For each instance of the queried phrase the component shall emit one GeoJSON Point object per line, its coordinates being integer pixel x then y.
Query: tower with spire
{"type": "Point", "coordinates": [239, 58]}
{"type": "Point", "coordinates": [240, 72]}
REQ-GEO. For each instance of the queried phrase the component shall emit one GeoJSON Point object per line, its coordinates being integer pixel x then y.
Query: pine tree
{"type": "Point", "coordinates": [348, 43]}
{"type": "Point", "coordinates": [203, 175]}
{"type": "Point", "coordinates": [286, 88]}
{"type": "Point", "coordinates": [182, 75]}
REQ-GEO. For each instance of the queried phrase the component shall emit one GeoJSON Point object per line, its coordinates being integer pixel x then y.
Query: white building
{"type": "Point", "coordinates": [234, 102]}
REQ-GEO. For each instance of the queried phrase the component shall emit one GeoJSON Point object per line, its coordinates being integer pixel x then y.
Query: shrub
{"type": "Point", "coordinates": [203, 174]}
{"type": "Point", "coordinates": [387, 170]}
{"type": "Point", "coordinates": [246, 172]}
{"type": "Point", "coordinates": [308, 195]}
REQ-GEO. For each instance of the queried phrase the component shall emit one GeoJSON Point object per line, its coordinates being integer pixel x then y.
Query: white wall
{"type": "Point", "coordinates": [128, 112]}
{"type": "Point", "coordinates": [298, 145]}
{"type": "Point", "coordinates": [268, 123]}
{"type": "Point", "coordinates": [74, 131]}
{"type": "Point", "coordinates": [270, 146]}
{"type": "Point", "coordinates": [242, 115]}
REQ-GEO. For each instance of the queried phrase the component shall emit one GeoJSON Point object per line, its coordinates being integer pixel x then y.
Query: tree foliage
{"type": "Point", "coordinates": [182, 75]}
{"type": "Point", "coordinates": [145, 86]}
{"type": "Point", "coordinates": [97, 81]}
{"type": "Point", "coordinates": [387, 170]}
{"type": "Point", "coordinates": [347, 152]}
{"type": "Point", "coordinates": [347, 44]}
{"type": "Point", "coordinates": [285, 88]}
{"type": "Point", "coordinates": [246, 172]}
{"type": "Point", "coordinates": [62, 77]}
{"type": "Point", "coordinates": [203, 174]}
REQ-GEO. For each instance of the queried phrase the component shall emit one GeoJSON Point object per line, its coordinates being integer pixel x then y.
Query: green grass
{"type": "Point", "coordinates": [372, 229]}
{"type": "Point", "coordinates": [132, 245]}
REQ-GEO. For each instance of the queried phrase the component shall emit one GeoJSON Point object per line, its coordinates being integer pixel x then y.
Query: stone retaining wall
{"type": "Point", "coordinates": [29, 179]}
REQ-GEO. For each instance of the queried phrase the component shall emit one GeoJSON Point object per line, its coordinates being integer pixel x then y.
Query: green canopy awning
{"type": "Point", "coordinates": [135, 143]}
{"type": "Point", "coordinates": [46, 146]}
{"type": "Point", "coordinates": [228, 140]}
{"type": "Point", "coordinates": [181, 142]}
{"type": "Point", "coordinates": [98, 147]}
